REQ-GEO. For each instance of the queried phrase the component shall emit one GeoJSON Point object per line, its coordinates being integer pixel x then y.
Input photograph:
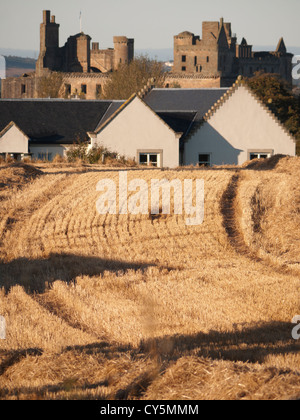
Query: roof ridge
{"type": "Point", "coordinates": [147, 88]}
{"type": "Point", "coordinates": [124, 105]}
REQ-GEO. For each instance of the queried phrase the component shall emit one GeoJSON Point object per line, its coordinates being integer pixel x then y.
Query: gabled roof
{"type": "Point", "coordinates": [179, 109]}
{"type": "Point", "coordinates": [240, 82]}
{"type": "Point", "coordinates": [112, 114]}
{"type": "Point", "coordinates": [178, 121]}
{"type": "Point", "coordinates": [113, 107]}
{"type": "Point", "coordinates": [51, 120]}
{"type": "Point", "coordinates": [9, 126]}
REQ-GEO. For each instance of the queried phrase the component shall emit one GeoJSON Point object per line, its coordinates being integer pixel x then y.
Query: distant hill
{"type": "Point", "coordinates": [16, 66]}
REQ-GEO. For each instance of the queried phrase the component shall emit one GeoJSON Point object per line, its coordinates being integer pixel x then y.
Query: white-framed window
{"type": "Point", "coordinates": [204, 159]}
{"type": "Point", "coordinates": [150, 158]}
{"type": "Point", "coordinates": [259, 154]}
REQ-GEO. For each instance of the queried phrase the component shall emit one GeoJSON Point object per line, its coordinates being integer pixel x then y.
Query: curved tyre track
{"type": "Point", "coordinates": [230, 209]}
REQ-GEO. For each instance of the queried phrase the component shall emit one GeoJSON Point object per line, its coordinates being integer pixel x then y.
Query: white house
{"type": "Point", "coordinates": [44, 128]}
{"type": "Point", "coordinates": [13, 141]}
{"type": "Point", "coordinates": [137, 132]}
{"type": "Point", "coordinates": [238, 128]}
{"type": "Point", "coordinates": [172, 127]}
{"type": "Point", "coordinates": [159, 127]}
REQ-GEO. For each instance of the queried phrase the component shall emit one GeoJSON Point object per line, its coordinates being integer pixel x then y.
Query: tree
{"type": "Point", "coordinates": [131, 78]}
{"type": "Point", "coordinates": [49, 86]}
{"type": "Point", "coordinates": [277, 96]}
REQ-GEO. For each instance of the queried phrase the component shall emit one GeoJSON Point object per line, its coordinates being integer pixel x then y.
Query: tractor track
{"type": "Point", "coordinates": [230, 208]}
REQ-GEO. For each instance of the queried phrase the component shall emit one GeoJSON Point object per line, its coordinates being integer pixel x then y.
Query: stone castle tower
{"type": "Point", "coordinates": [77, 55]}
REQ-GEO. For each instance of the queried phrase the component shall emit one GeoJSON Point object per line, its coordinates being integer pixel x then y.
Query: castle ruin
{"type": "Point", "coordinates": [85, 66]}
{"type": "Point", "coordinates": [218, 56]}
{"type": "Point", "coordinates": [214, 61]}
{"type": "Point", "coordinates": [77, 56]}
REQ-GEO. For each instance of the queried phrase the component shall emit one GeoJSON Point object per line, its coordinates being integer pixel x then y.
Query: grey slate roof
{"type": "Point", "coordinates": [198, 101]}
{"type": "Point", "coordinates": [180, 122]}
{"type": "Point", "coordinates": [113, 107]}
{"type": "Point", "coordinates": [53, 121]}
{"type": "Point", "coordinates": [58, 121]}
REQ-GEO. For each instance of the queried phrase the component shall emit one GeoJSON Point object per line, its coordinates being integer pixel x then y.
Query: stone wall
{"type": "Point", "coordinates": [192, 81]}
{"type": "Point", "coordinates": [18, 87]}
{"type": "Point", "coordinates": [85, 86]}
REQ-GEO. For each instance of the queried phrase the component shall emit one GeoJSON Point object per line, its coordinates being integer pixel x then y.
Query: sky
{"type": "Point", "coordinates": [151, 23]}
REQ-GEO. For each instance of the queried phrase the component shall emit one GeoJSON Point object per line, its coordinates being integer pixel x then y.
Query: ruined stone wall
{"type": "Point", "coordinates": [18, 87]}
{"type": "Point", "coordinates": [84, 86]}
{"type": "Point", "coordinates": [102, 60]}
{"type": "Point", "coordinates": [192, 81]}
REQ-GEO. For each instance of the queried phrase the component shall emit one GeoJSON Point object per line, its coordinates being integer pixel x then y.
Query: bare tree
{"type": "Point", "coordinates": [49, 86]}
{"type": "Point", "coordinates": [131, 78]}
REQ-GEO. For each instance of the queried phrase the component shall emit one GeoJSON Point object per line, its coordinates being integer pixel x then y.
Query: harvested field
{"type": "Point", "coordinates": [146, 307]}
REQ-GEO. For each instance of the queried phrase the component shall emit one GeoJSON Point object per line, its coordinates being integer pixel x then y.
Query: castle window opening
{"type": "Point", "coordinates": [183, 68]}
{"type": "Point", "coordinates": [67, 89]}
{"type": "Point", "coordinates": [183, 59]}
{"type": "Point", "coordinates": [98, 91]}
{"type": "Point", "coordinates": [83, 89]}
{"type": "Point", "coordinates": [207, 59]}
{"type": "Point", "coordinates": [23, 88]}
{"type": "Point", "coordinates": [195, 61]}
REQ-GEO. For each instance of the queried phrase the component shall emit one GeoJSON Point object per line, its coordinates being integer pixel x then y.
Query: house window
{"type": "Point", "coordinates": [150, 159]}
{"type": "Point", "coordinates": [183, 58]}
{"type": "Point", "coordinates": [260, 155]}
{"type": "Point", "coordinates": [204, 159]}
{"type": "Point", "coordinates": [83, 89]}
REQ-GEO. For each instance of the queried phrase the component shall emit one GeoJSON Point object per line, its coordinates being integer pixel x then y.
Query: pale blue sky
{"type": "Point", "coordinates": [152, 23]}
